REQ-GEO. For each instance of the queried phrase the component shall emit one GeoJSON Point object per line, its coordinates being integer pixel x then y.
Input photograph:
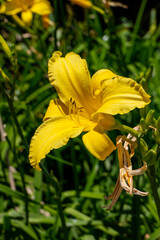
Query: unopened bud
{"type": "Point", "coordinates": [158, 124]}
{"type": "Point", "coordinates": [5, 47]}
{"type": "Point", "coordinates": [150, 157]}
{"type": "Point", "coordinates": [143, 146]}
{"type": "Point", "coordinates": [149, 73]}
{"type": "Point", "coordinates": [142, 122]}
{"type": "Point", "coordinates": [5, 77]}
{"type": "Point", "coordinates": [149, 117]}
{"type": "Point", "coordinates": [157, 136]}
{"type": "Point", "coordinates": [154, 122]}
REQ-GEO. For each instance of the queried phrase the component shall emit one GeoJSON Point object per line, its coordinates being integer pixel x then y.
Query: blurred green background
{"type": "Point", "coordinates": [125, 41]}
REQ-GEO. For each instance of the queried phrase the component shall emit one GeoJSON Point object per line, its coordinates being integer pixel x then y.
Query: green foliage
{"type": "Point", "coordinates": [28, 201]}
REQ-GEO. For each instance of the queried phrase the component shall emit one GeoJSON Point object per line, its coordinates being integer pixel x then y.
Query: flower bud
{"type": "Point", "coordinates": [150, 157]}
{"type": "Point", "coordinates": [142, 123]}
{"type": "Point", "coordinates": [143, 146]}
{"type": "Point", "coordinates": [158, 124]}
{"type": "Point", "coordinates": [154, 122]}
{"type": "Point", "coordinates": [149, 73]}
{"type": "Point", "coordinates": [149, 117]}
{"type": "Point", "coordinates": [5, 47]}
{"type": "Point", "coordinates": [7, 50]}
{"type": "Point", "coordinates": [143, 83]}
{"type": "Point", "coordinates": [157, 136]}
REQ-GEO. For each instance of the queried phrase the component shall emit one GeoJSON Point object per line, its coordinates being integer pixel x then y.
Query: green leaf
{"type": "Point", "coordinates": [38, 92]}
{"type": "Point", "coordinates": [75, 213]}
{"type": "Point", "coordinates": [25, 228]}
{"type": "Point", "coordinates": [155, 235]}
{"type": "Point", "coordinates": [87, 237]}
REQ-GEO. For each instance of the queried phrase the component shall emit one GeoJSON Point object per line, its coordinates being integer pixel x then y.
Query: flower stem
{"type": "Point", "coordinates": [152, 178]}
{"type": "Point", "coordinates": [24, 141]}
{"type": "Point", "coordinates": [21, 24]}
{"type": "Point", "coordinates": [11, 107]}
{"type": "Point", "coordinates": [127, 129]}
{"type": "Point", "coordinates": [56, 185]}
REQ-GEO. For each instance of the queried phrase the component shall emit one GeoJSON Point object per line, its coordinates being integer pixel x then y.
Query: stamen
{"type": "Point", "coordinates": [70, 106]}
{"type": "Point", "coordinates": [56, 103]}
{"type": "Point", "coordinates": [73, 110]}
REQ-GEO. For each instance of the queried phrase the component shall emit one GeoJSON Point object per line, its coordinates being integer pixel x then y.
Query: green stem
{"type": "Point", "coordinates": [62, 12]}
{"type": "Point", "coordinates": [10, 103]}
{"type": "Point", "coordinates": [25, 193]}
{"type": "Point", "coordinates": [136, 28]}
{"type": "Point", "coordinates": [127, 129]}
{"type": "Point", "coordinates": [14, 81]}
{"type": "Point", "coordinates": [55, 3]}
{"type": "Point", "coordinates": [55, 184]}
{"type": "Point", "coordinates": [11, 107]}
{"type": "Point", "coordinates": [22, 24]}
{"type": "Point", "coordinates": [152, 178]}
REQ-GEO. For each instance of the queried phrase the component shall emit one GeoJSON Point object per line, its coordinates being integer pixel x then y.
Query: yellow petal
{"type": "Point", "coordinates": [41, 7]}
{"type": "Point", "coordinates": [82, 3]}
{"type": "Point", "coordinates": [108, 122]}
{"type": "Point", "coordinates": [71, 79]}
{"type": "Point", "coordinates": [52, 134]}
{"type": "Point", "coordinates": [27, 17]}
{"type": "Point", "coordinates": [121, 95]}
{"type": "Point", "coordinates": [98, 143]}
{"type": "Point", "coordinates": [12, 7]}
{"type": "Point", "coordinates": [56, 109]}
{"type": "Point", "coordinates": [2, 8]}
{"type": "Point", "coordinates": [98, 77]}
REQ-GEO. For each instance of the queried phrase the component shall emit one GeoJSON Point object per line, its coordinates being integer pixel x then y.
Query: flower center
{"type": "Point", "coordinates": [74, 111]}
{"type": "Point", "coordinates": [27, 4]}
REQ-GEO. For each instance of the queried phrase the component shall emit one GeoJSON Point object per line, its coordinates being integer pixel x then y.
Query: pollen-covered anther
{"type": "Point", "coordinates": [59, 108]}
{"type": "Point", "coordinates": [74, 110]}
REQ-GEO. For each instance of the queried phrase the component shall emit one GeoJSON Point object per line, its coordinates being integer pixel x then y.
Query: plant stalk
{"type": "Point", "coordinates": [24, 141]}
{"type": "Point", "coordinates": [55, 184]}
{"type": "Point", "coordinates": [11, 107]}
{"type": "Point", "coordinates": [127, 129]}
{"type": "Point", "coordinates": [152, 178]}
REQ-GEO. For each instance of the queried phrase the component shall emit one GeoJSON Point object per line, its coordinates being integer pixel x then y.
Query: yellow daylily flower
{"type": "Point", "coordinates": [26, 8]}
{"type": "Point", "coordinates": [85, 104]}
